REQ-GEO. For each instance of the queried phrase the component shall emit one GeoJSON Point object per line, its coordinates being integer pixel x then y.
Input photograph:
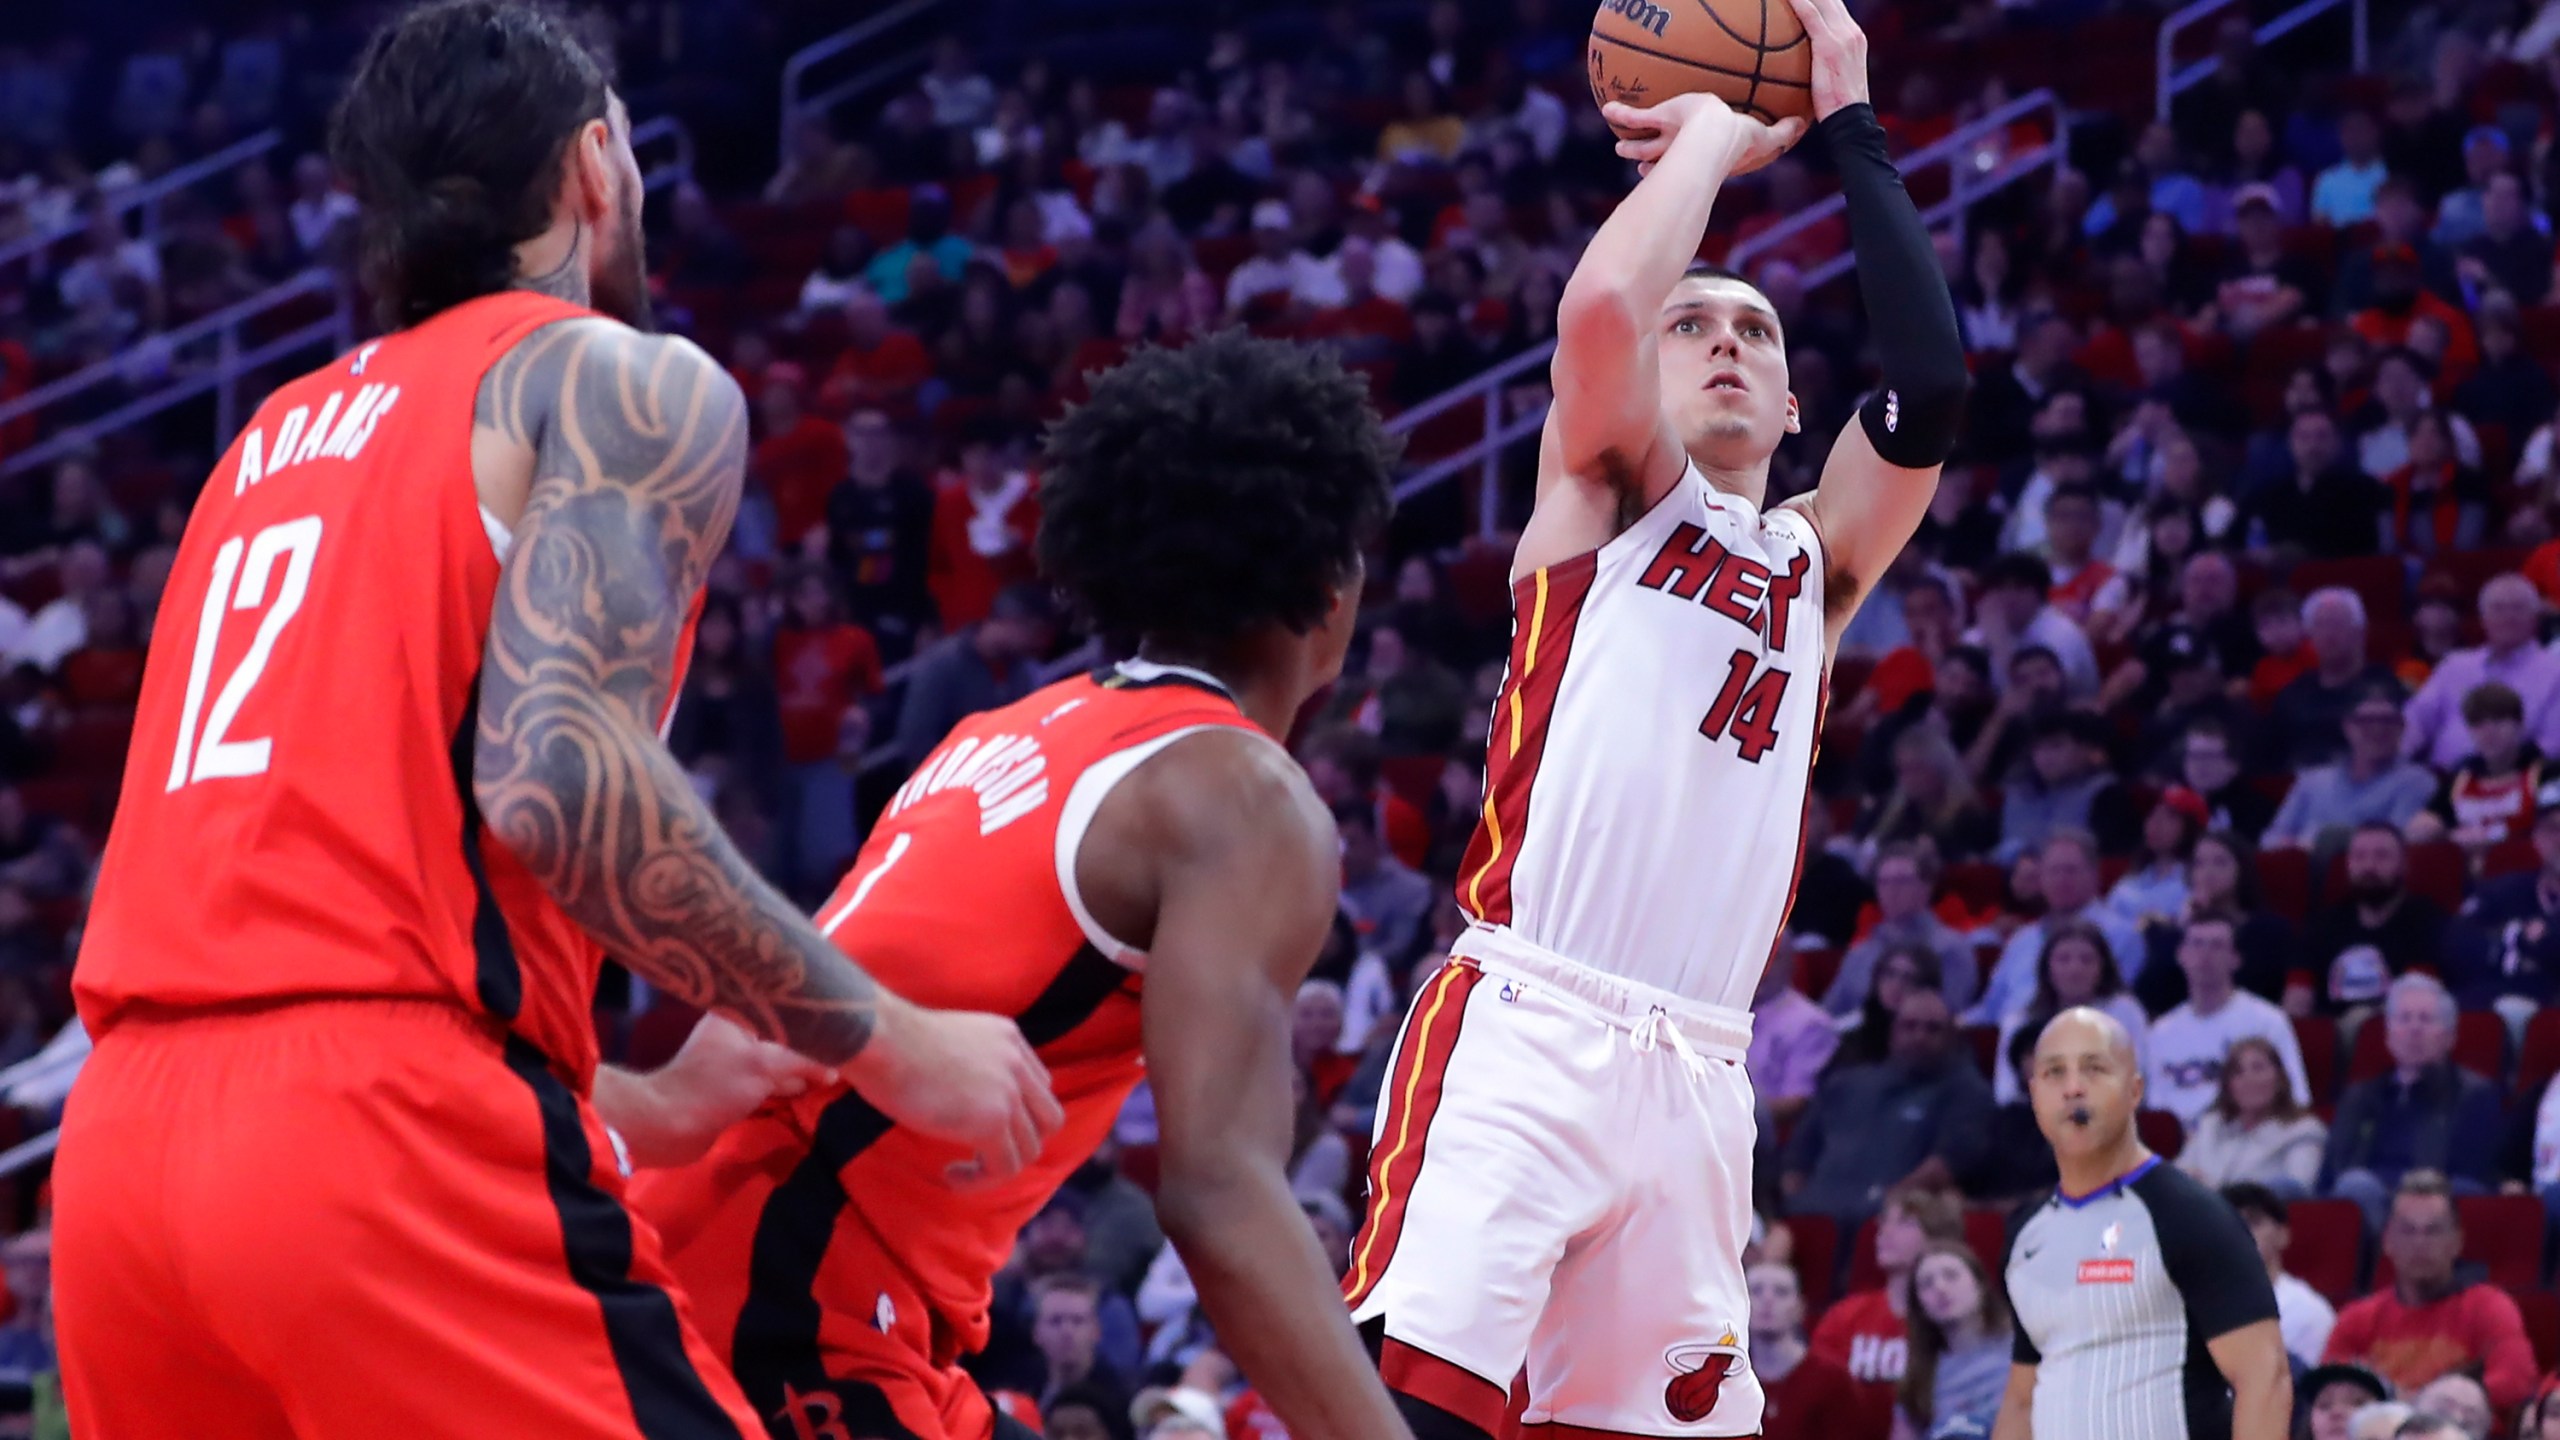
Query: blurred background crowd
{"type": "Point", "coordinates": [2217, 691]}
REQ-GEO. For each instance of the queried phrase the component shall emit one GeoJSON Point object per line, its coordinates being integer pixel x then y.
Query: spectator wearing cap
{"type": "Point", "coordinates": [1279, 271]}
{"type": "Point", "coordinates": [2503, 948]}
{"type": "Point", "coordinates": [2016, 611]}
{"type": "Point", "coordinates": [2511, 655]}
{"type": "Point", "coordinates": [2333, 1394]}
{"type": "Point", "coordinates": [1806, 1396]}
{"type": "Point", "coordinates": [2369, 783]}
{"type": "Point", "coordinates": [2434, 1321]}
{"type": "Point", "coordinates": [2191, 691]}
{"type": "Point", "coordinates": [2264, 286]}
{"type": "Point", "coordinates": [2424, 1115]}
{"type": "Point", "coordinates": [2067, 867]}
{"type": "Point", "coordinates": [993, 662]}
{"type": "Point", "coordinates": [2458, 215]}
{"type": "Point", "coordinates": [2323, 507]}
{"type": "Point", "coordinates": [1177, 1413]}
{"type": "Point", "coordinates": [2494, 792]}
{"type": "Point", "coordinates": [2378, 931]}
{"type": "Point", "coordinates": [2153, 890]}
{"type": "Point", "coordinates": [2188, 1045]}
{"type": "Point", "coordinates": [2067, 787]}
{"type": "Point", "coordinates": [2304, 720]}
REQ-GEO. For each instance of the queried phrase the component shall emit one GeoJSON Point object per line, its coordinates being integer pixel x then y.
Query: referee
{"type": "Point", "coordinates": [2143, 1310]}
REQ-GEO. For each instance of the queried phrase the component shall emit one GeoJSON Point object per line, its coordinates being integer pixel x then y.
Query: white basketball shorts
{"type": "Point", "coordinates": [1561, 1180]}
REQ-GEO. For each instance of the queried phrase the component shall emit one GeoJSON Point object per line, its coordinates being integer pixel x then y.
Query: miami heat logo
{"type": "Point", "coordinates": [1698, 1376]}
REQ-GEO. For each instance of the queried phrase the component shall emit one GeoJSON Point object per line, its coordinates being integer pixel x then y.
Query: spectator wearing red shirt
{"type": "Point", "coordinates": [881, 365]}
{"type": "Point", "coordinates": [2070, 535]}
{"type": "Point", "coordinates": [2431, 1323]}
{"type": "Point", "coordinates": [985, 516]}
{"type": "Point", "coordinates": [799, 460]}
{"type": "Point", "coordinates": [824, 666]}
{"type": "Point", "coordinates": [1806, 1396]}
{"type": "Point", "coordinates": [2399, 300]}
{"type": "Point", "coordinates": [2284, 652]}
{"type": "Point", "coordinates": [2438, 504]}
{"type": "Point", "coordinates": [1863, 1333]}
{"type": "Point", "coordinates": [1366, 327]}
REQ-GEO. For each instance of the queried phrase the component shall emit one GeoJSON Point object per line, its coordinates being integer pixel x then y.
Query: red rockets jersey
{"type": "Point", "coordinates": [962, 898]}
{"type": "Point", "coordinates": [296, 817]}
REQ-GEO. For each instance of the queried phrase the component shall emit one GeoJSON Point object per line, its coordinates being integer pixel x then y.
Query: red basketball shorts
{"type": "Point", "coordinates": [358, 1218]}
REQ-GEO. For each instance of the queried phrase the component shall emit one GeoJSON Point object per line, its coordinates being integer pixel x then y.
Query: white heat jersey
{"type": "Point", "coordinates": [1651, 754]}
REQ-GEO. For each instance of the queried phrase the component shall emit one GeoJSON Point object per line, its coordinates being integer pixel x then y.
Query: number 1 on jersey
{"type": "Point", "coordinates": [214, 756]}
{"type": "Point", "coordinates": [1747, 707]}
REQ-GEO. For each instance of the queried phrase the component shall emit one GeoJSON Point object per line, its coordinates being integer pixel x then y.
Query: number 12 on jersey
{"type": "Point", "coordinates": [1747, 707]}
{"type": "Point", "coordinates": [241, 571]}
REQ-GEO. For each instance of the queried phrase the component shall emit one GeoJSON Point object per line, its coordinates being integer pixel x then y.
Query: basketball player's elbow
{"type": "Point", "coordinates": [1198, 1190]}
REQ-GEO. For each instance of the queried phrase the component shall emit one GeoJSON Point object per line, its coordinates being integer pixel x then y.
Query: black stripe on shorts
{"type": "Point", "coordinates": [668, 1396]}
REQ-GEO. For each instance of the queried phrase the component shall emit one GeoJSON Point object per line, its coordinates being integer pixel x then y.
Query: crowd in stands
{"type": "Point", "coordinates": [2215, 693]}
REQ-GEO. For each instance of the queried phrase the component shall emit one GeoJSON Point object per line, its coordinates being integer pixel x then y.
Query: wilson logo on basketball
{"type": "Point", "coordinates": [1699, 1373]}
{"type": "Point", "coordinates": [1645, 14]}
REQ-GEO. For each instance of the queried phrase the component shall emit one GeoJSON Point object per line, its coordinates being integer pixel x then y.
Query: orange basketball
{"type": "Point", "coordinates": [1751, 53]}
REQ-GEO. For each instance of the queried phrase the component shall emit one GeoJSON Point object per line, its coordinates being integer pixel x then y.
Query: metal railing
{"type": "Point", "coordinates": [146, 197]}
{"type": "Point", "coordinates": [664, 130]}
{"type": "Point", "coordinates": [2175, 79]}
{"type": "Point", "coordinates": [798, 101]}
{"type": "Point", "coordinates": [1977, 170]}
{"type": "Point", "coordinates": [235, 357]}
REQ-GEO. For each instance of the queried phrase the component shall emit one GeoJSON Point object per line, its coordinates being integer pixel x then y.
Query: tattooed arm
{"type": "Point", "coordinates": [638, 446]}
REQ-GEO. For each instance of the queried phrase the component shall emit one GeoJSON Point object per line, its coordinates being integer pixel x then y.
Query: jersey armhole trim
{"type": "Point", "coordinates": [1084, 801]}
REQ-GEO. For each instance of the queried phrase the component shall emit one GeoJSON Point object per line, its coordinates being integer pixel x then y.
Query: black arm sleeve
{"type": "Point", "coordinates": [2211, 1257]}
{"type": "Point", "coordinates": [1912, 417]}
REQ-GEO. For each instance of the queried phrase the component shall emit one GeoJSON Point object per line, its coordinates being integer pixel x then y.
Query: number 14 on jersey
{"type": "Point", "coordinates": [1747, 706]}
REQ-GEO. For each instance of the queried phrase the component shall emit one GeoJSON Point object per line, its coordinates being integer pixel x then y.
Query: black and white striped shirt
{"type": "Point", "coordinates": [2116, 1295]}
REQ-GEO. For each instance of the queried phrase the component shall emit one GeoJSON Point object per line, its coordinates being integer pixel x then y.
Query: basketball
{"type": "Point", "coordinates": [1753, 54]}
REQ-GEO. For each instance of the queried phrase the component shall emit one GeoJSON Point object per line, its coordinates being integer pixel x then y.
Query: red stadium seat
{"type": "Point", "coordinates": [2318, 1037]}
{"type": "Point", "coordinates": [1143, 1166]}
{"type": "Point", "coordinates": [1985, 1040]}
{"type": "Point", "coordinates": [2479, 1046]}
{"type": "Point", "coordinates": [1413, 777]}
{"type": "Point", "coordinates": [659, 1031]}
{"type": "Point", "coordinates": [1817, 1240]}
{"type": "Point", "coordinates": [1864, 1273]}
{"type": "Point", "coordinates": [2162, 1133]}
{"type": "Point", "coordinates": [1985, 1230]}
{"type": "Point", "coordinates": [2540, 1058]}
{"type": "Point", "coordinates": [2378, 578]}
{"type": "Point", "coordinates": [2541, 1323]}
{"type": "Point", "coordinates": [2327, 1247]}
{"type": "Point", "coordinates": [1979, 885]}
{"type": "Point", "coordinates": [2437, 870]}
{"type": "Point", "coordinates": [2514, 855]}
{"type": "Point", "coordinates": [2500, 1233]}
{"type": "Point", "coordinates": [2284, 877]}
{"type": "Point", "coordinates": [1815, 970]}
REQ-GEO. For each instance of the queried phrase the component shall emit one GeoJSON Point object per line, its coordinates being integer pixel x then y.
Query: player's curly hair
{"type": "Point", "coordinates": [1204, 493]}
